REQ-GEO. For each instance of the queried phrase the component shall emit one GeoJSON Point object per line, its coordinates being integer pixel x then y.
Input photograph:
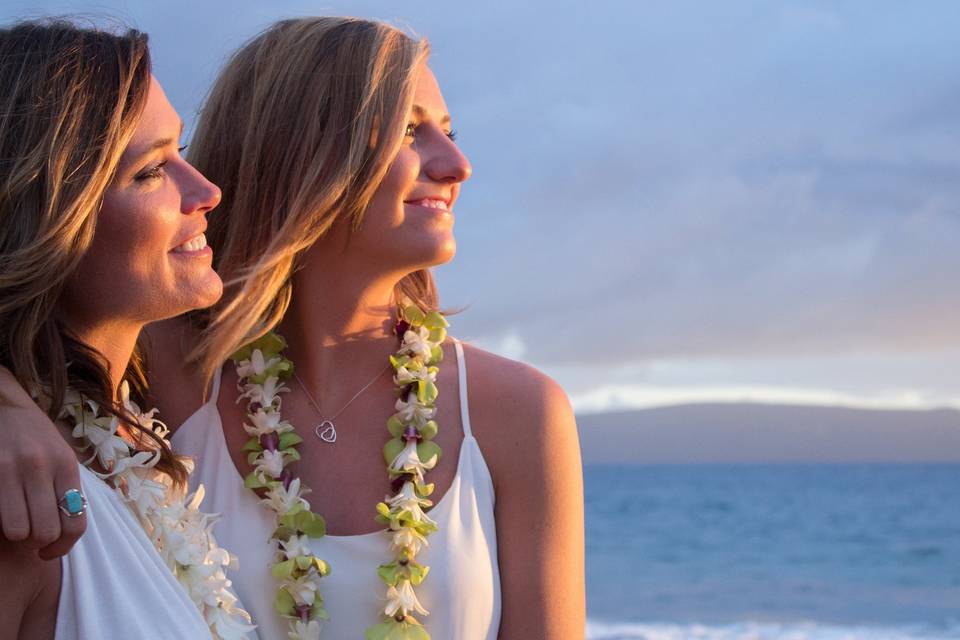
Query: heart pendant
{"type": "Point", "coordinates": [326, 431]}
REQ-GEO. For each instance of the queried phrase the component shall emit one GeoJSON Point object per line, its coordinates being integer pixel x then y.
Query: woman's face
{"type": "Point", "coordinates": [409, 220]}
{"type": "Point", "coordinates": [149, 259]}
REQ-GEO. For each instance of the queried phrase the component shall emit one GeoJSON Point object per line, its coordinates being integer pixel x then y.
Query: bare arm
{"type": "Point", "coordinates": [36, 467]}
{"type": "Point", "coordinates": [530, 442]}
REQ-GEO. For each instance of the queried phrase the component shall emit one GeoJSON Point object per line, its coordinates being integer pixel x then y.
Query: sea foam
{"type": "Point", "coordinates": [765, 631]}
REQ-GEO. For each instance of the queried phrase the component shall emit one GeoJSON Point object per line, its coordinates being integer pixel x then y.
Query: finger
{"type": "Point", "coordinates": [44, 513]}
{"type": "Point", "coordinates": [14, 517]}
{"type": "Point", "coordinates": [70, 528]}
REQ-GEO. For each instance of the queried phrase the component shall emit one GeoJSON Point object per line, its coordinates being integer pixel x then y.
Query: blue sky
{"type": "Point", "coordinates": [679, 201]}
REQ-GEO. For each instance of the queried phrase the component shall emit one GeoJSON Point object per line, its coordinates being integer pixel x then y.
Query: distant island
{"type": "Point", "coordinates": [769, 433]}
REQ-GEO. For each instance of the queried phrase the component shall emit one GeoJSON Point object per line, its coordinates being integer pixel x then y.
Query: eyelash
{"type": "Point", "coordinates": [156, 171]}
{"type": "Point", "coordinates": [452, 135]}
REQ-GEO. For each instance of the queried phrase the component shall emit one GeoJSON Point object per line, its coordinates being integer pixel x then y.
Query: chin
{"type": "Point", "coordinates": [202, 293]}
{"type": "Point", "coordinates": [440, 252]}
{"type": "Point", "coordinates": [210, 292]}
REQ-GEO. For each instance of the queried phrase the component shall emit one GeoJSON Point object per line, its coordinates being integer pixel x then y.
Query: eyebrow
{"type": "Point", "coordinates": [420, 112]}
{"type": "Point", "coordinates": [153, 146]}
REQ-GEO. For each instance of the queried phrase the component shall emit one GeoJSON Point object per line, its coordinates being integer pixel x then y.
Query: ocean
{"type": "Point", "coordinates": [764, 552]}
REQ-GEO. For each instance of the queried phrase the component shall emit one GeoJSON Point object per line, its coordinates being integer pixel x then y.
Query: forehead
{"type": "Point", "coordinates": [428, 96]}
{"type": "Point", "coordinates": [158, 120]}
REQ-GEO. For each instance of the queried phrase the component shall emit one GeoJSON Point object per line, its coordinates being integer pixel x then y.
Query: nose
{"type": "Point", "coordinates": [446, 163]}
{"type": "Point", "coordinates": [198, 194]}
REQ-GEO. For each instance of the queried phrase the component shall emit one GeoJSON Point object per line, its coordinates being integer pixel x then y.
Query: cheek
{"type": "Point", "coordinates": [126, 267]}
{"type": "Point", "coordinates": [134, 236]}
{"type": "Point", "coordinates": [401, 177]}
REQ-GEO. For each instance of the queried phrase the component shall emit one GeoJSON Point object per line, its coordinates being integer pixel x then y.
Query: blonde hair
{"type": "Point", "coordinates": [70, 100]}
{"type": "Point", "coordinates": [299, 131]}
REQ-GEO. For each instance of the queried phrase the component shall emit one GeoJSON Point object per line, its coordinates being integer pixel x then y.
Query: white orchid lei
{"type": "Point", "coordinates": [261, 369]}
{"type": "Point", "coordinates": [172, 520]}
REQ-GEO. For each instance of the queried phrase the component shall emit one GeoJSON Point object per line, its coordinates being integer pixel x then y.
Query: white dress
{"type": "Point", "coordinates": [115, 586]}
{"type": "Point", "coordinates": [462, 591]}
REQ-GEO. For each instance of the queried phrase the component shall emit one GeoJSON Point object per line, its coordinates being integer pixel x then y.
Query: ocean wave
{"type": "Point", "coordinates": [765, 631]}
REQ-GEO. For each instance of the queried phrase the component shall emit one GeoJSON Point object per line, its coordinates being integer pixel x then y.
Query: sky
{"type": "Point", "coordinates": [677, 201]}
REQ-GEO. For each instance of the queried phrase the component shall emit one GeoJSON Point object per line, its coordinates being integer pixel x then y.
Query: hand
{"type": "Point", "coordinates": [36, 467]}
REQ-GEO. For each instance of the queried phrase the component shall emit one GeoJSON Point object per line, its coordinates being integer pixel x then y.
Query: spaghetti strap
{"type": "Point", "coordinates": [215, 386]}
{"type": "Point", "coordinates": [462, 378]}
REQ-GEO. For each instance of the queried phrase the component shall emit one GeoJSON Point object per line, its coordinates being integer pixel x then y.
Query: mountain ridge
{"type": "Point", "coordinates": [770, 433]}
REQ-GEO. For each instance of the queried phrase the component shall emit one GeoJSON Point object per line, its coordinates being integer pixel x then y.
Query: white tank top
{"type": "Point", "coordinates": [462, 592]}
{"type": "Point", "coordinates": [115, 586]}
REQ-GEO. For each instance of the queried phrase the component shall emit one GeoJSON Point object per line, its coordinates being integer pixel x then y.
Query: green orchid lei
{"type": "Point", "coordinates": [409, 453]}
{"type": "Point", "coordinates": [261, 369]}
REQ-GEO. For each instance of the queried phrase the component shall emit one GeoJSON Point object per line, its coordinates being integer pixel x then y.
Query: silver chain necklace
{"type": "Point", "coordinates": [326, 430]}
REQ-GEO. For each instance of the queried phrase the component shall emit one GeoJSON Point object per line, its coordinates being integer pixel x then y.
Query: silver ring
{"type": "Point", "coordinates": [73, 503]}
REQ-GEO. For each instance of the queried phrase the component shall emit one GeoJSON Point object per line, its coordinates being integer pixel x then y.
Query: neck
{"type": "Point", "coordinates": [339, 327]}
{"type": "Point", "coordinates": [113, 339]}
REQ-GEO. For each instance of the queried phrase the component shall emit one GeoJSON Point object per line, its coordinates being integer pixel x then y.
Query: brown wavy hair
{"type": "Point", "coordinates": [299, 130]}
{"type": "Point", "coordinates": [70, 100]}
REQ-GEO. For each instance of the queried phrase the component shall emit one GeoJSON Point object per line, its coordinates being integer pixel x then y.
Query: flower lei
{"type": "Point", "coordinates": [261, 369]}
{"type": "Point", "coordinates": [172, 520]}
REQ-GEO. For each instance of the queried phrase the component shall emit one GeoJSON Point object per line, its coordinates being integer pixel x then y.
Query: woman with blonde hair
{"type": "Point", "coordinates": [451, 503]}
{"type": "Point", "coordinates": [101, 232]}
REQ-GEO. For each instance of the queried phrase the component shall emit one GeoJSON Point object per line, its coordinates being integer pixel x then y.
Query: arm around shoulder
{"type": "Point", "coordinates": [528, 431]}
{"type": "Point", "coordinates": [36, 467]}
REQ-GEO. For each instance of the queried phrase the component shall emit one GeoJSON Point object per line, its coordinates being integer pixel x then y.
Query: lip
{"type": "Point", "coordinates": [419, 199]}
{"type": "Point", "coordinates": [192, 233]}
{"type": "Point", "coordinates": [204, 251]}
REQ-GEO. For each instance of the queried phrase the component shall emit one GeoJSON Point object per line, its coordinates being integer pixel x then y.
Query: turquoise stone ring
{"type": "Point", "coordinates": [73, 503]}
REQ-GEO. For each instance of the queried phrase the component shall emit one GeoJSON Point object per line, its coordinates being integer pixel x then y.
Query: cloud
{"type": "Point", "coordinates": [674, 182]}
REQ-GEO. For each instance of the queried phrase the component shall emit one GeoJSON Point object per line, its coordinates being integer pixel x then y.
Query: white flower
{"type": "Point", "coordinates": [229, 623]}
{"type": "Point", "coordinates": [407, 538]}
{"type": "Point", "coordinates": [304, 588]}
{"type": "Point", "coordinates": [407, 500]}
{"type": "Point", "coordinates": [255, 365]}
{"type": "Point", "coordinates": [417, 343]}
{"type": "Point", "coordinates": [408, 461]}
{"type": "Point", "coordinates": [141, 459]}
{"type": "Point", "coordinates": [266, 422]}
{"type": "Point", "coordinates": [144, 492]}
{"type": "Point", "coordinates": [101, 434]}
{"type": "Point", "coordinates": [269, 465]}
{"type": "Point", "coordinates": [282, 500]}
{"type": "Point", "coordinates": [411, 411]}
{"type": "Point", "coordinates": [403, 600]}
{"type": "Point", "coordinates": [183, 530]}
{"type": "Point", "coordinates": [405, 376]}
{"type": "Point", "coordinates": [296, 546]}
{"type": "Point", "coordinates": [304, 631]}
{"type": "Point", "coordinates": [204, 582]}
{"type": "Point", "coordinates": [144, 419]}
{"type": "Point", "coordinates": [264, 394]}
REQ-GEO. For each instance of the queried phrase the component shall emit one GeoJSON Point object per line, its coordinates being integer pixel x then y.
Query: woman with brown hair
{"type": "Point", "coordinates": [332, 141]}
{"type": "Point", "coordinates": [101, 232]}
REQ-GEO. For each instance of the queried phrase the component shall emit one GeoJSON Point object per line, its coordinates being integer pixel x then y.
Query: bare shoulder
{"type": "Point", "coordinates": [29, 603]}
{"type": "Point", "coordinates": [175, 389]}
{"type": "Point", "coordinates": [521, 417]}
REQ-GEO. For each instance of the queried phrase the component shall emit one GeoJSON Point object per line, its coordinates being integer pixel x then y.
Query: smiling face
{"type": "Point", "coordinates": [409, 221]}
{"type": "Point", "coordinates": [149, 259]}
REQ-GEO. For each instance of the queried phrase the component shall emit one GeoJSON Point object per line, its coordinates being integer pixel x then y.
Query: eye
{"type": "Point", "coordinates": [411, 130]}
{"type": "Point", "coordinates": [452, 135]}
{"type": "Point", "coordinates": [182, 149]}
{"type": "Point", "coordinates": [151, 173]}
